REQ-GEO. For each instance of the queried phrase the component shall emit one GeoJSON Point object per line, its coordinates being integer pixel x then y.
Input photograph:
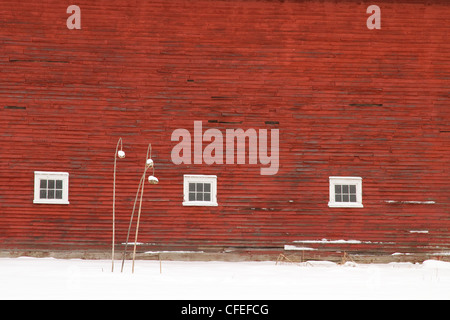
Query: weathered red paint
{"type": "Point", "coordinates": [348, 101]}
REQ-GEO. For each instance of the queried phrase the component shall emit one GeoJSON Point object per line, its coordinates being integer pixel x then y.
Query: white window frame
{"type": "Point", "coordinates": [46, 175]}
{"type": "Point", "coordinates": [189, 178]}
{"type": "Point", "coordinates": [345, 181]}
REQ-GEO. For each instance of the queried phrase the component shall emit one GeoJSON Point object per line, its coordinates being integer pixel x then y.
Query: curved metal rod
{"type": "Point", "coordinates": [131, 219]}
{"type": "Point", "coordinates": [140, 188]}
{"type": "Point", "coordinates": [147, 165]}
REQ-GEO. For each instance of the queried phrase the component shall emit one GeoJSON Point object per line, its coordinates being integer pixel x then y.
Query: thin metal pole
{"type": "Point", "coordinates": [114, 205]}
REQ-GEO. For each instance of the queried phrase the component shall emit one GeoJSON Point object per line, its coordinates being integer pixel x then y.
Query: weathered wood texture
{"type": "Point", "coordinates": [348, 101]}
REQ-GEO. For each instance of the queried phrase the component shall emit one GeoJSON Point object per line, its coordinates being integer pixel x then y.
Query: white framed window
{"type": "Point", "coordinates": [345, 192]}
{"type": "Point", "coordinates": [51, 187]}
{"type": "Point", "coordinates": [200, 190]}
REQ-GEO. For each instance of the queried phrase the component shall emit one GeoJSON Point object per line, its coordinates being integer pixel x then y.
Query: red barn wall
{"type": "Point", "coordinates": [348, 101]}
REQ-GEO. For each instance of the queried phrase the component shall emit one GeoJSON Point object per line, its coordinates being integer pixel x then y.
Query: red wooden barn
{"type": "Point", "coordinates": [276, 126]}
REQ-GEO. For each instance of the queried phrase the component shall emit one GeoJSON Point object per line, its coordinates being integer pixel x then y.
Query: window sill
{"type": "Point", "coordinates": [344, 205]}
{"type": "Point", "coordinates": [50, 202]}
{"type": "Point", "coordinates": [200, 204]}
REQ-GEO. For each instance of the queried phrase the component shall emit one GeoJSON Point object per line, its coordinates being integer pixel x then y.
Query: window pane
{"type": "Point", "coordinates": [191, 187]}
{"type": "Point", "coordinates": [43, 194]}
{"type": "Point", "coordinates": [51, 184]}
{"type": "Point", "coordinates": [207, 197]}
{"type": "Point", "coordinates": [345, 198]}
{"type": "Point", "coordinates": [43, 184]}
{"type": "Point", "coordinates": [207, 187]}
{"type": "Point", "coordinates": [58, 194]}
{"type": "Point", "coordinates": [353, 198]}
{"type": "Point", "coordinates": [199, 196]}
{"type": "Point", "coordinates": [338, 198]}
{"type": "Point", "coordinates": [51, 194]}
{"type": "Point", "coordinates": [345, 188]}
{"type": "Point", "coordinates": [59, 184]}
{"type": "Point", "coordinates": [191, 196]}
{"type": "Point", "coordinates": [199, 187]}
{"type": "Point", "coordinates": [337, 189]}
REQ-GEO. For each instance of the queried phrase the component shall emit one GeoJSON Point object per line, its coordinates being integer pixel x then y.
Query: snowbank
{"type": "Point", "coordinates": [48, 278]}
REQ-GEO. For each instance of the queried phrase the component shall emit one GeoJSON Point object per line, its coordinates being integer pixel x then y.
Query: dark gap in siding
{"type": "Point", "coordinates": [222, 98]}
{"type": "Point", "coordinates": [225, 122]}
{"type": "Point", "coordinates": [15, 108]}
{"type": "Point", "coordinates": [365, 104]}
{"type": "Point", "coordinates": [31, 60]}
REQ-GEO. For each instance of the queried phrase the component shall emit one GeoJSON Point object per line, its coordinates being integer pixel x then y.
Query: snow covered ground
{"type": "Point", "coordinates": [48, 278]}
